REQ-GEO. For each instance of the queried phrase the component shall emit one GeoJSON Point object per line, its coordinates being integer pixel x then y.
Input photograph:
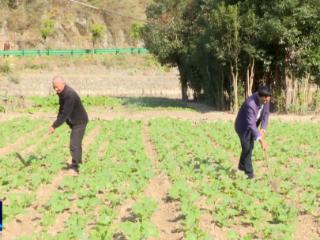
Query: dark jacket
{"type": "Point", "coordinates": [246, 124]}
{"type": "Point", "coordinates": [71, 109]}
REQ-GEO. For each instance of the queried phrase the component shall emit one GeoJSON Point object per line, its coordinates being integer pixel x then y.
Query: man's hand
{"type": "Point", "coordinates": [264, 145]}
{"type": "Point", "coordinates": [51, 130]}
{"type": "Point", "coordinates": [262, 133]}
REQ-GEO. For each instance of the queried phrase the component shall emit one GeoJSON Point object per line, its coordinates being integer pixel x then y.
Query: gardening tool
{"type": "Point", "coordinates": [271, 179]}
{"type": "Point", "coordinates": [22, 159]}
{"type": "Point", "coordinates": [30, 158]}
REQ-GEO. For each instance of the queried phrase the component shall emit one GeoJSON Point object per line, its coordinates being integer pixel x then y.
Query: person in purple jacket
{"type": "Point", "coordinates": [253, 113]}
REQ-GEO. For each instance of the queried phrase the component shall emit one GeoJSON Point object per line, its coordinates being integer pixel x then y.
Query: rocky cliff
{"type": "Point", "coordinates": [23, 23]}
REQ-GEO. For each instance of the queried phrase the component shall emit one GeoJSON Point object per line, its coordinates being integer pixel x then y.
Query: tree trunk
{"type": "Point", "coordinates": [249, 77]}
{"type": "Point", "coordinates": [184, 91]}
{"type": "Point", "coordinates": [288, 90]}
{"type": "Point", "coordinates": [221, 90]}
{"type": "Point", "coordinates": [217, 93]}
{"type": "Point", "coordinates": [290, 85]}
{"type": "Point", "coordinates": [304, 93]}
{"type": "Point", "coordinates": [234, 76]}
{"type": "Point", "coordinates": [183, 83]}
{"type": "Point", "coordinates": [295, 94]}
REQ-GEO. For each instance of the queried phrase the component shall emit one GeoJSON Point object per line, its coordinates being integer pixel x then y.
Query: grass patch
{"type": "Point", "coordinates": [37, 103]}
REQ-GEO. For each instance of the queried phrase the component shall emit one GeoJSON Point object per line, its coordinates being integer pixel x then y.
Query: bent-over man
{"type": "Point", "coordinates": [73, 113]}
{"type": "Point", "coordinates": [253, 112]}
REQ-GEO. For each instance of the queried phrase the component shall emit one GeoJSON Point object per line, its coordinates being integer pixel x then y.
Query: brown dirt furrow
{"type": "Point", "coordinates": [102, 150]}
{"type": "Point", "coordinates": [124, 213]}
{"type": "Point", "coordinates": [307, 228]}
{"type": "Point", "coordinates": [168, 211]}
{"type": "Point", "coordinates": [28, 223]}
{"type": "Point", "coordinates": [148, 146]}
{"type": "Point", "coordinates": [212, 229]}
{"type": "Point", "coordinates": [165, 217]}
{"type": "Point", "coordinates": [9, 116]}
{"type": "Point", "coordinates": [206, 221]}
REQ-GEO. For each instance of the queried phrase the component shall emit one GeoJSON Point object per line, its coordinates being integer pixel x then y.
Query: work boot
{"type": "Point", "coordinates": [72, 166]}
{"type": "Point", "coordinates": [250, 176]}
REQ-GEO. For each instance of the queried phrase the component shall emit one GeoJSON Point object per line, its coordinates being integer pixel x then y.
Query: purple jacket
{"type": "Point", "coordinates": [246, 124]}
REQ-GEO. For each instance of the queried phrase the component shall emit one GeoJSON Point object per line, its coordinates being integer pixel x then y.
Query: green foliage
{"type": "Point", "coordinates": [215, 42]}
{"type": "Point", "coordinates": [167, 39]}
{"type": "Point", "coordinates": [204, 170]}
{"type": "Point", "coordinates": [51, 103]}
{"type": "Point", "coordinates": [135, 31]}
{"type": "Point", "coordinates": [197, 158]}
{"type": "Point", "coordinates": [5, 67]}
{"type": "Point", "coordinates": [97, 32]}
{"type": "Point", "coordinates": [144, 208]}
{"type": "Point", "coordinates": [225, 24]}
{"type": "Point", "coordinates": [139, 230]}
{"type": "Point", "coordinates": [47, 28]}
{"type": "Point", "coordinates": [142, 228]}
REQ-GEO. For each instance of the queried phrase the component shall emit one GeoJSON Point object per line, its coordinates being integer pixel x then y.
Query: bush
{"type": "Point", "coordinates": [5, 67]}
{"type": "Point", "coordinates": [97, 31]}
{"type": "Point", "coordinates": [47, 28]}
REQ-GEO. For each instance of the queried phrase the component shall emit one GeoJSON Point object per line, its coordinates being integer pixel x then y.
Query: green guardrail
{"type": "Point", "coordinates": [73, 52]}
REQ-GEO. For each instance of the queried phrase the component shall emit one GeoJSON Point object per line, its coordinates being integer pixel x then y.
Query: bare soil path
{"type": "Point", "coordinates": [165, 218]}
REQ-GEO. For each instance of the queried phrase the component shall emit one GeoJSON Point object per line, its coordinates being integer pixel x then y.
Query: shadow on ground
{"type": "Point", "coordinates": [156, 102]}
{"type": "Point", "coordinates": [40, 103]}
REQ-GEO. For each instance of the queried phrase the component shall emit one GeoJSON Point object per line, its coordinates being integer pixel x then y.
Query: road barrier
{"type": "Point", "coordinates": [51, 52]}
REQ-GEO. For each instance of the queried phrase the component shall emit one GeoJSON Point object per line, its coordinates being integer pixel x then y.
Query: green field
{"type": "Point", "coordinates": [199, 159]}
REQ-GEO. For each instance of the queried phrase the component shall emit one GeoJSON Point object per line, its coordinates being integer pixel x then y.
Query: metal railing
{"type": "Point", "coordinates": [51, 52]}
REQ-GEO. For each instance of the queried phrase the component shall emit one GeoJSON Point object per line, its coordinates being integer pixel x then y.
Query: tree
{"type": "Point", "coordinates": [287, 33]}
{"type": "Point", "coordinates": [97, 32]}
{"type": "Point", "coordinates": [225, 43]}
{"type": "Point", "coordinates": [249, 37]}
{"type": "Point", "coordinates": [47, 28]}
{"type": "Point", "coordinates": [222, 47]}
{"type": "Point", "coordinates": [168, 35]}
{"type": "Point", "coordinates": [135, 31]}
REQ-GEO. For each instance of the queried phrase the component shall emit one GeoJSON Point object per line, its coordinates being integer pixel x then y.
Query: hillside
{"type": "Point", "coordinates": [21, 22]}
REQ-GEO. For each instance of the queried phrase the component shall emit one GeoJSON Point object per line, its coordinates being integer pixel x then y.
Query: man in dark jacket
{"type": "Point", "coordinates": [73, 113]}
{"type": "Point", "coordinates": [255, 110]}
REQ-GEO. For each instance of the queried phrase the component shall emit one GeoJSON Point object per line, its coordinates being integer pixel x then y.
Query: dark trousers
{"type": "Point", "coordinates": [245, 163]}
{"type": "Point", "coordinates": [76, 136]}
